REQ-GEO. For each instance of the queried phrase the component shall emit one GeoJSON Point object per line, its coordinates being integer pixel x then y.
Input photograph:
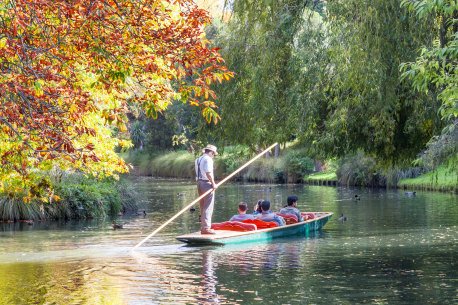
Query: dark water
{"type": "Point", "coordinates": [393, 249]}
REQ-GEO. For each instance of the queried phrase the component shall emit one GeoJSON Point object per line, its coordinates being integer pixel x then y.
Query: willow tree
{"type": "Point", "coordinates": [436, 70]}
{"type": "Point", "coordinates": [258, 44]}
{"type": "Point", "coordinates": [363, 105]}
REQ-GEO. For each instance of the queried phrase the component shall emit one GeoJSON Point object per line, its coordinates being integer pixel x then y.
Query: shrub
{"type": "Point", "coordinates": [298, 164]}
{"type": "Point", "coordinates": [80, 197]}
{"type": "Point", "coordinates": [392, 176]}
{"type": "Point", "coordinates": [234, 157]}
{"type": "Point", "coordinates": [358, 169]}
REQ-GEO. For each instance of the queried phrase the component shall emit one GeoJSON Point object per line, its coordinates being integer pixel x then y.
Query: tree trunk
{"type": "Point", "coordinates": [318, 165]}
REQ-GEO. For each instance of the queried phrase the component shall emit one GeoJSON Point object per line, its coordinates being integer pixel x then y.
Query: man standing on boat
{"type": "Point", "coordinates": [205, 181]}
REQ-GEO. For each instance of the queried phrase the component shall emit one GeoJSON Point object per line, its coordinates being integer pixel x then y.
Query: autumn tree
{"type": "Point", "coordinates": [68, 68]}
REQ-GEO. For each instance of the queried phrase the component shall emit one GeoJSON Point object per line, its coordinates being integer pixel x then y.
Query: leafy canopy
{"type": "Point", "coordinates": [68, 68]}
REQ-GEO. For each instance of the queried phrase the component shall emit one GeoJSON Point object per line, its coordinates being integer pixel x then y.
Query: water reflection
{"type": "Point", "coordinates": [393, 249]}
{"type": "Point", "coordinates": [209, 280]}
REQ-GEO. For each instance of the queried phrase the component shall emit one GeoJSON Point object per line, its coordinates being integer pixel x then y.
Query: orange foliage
{"type": "Point", "coordinates": [136, 49]}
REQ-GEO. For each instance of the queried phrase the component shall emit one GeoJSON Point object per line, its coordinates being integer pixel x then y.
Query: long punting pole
{"type": "Point", "coordinates": [203, 195]}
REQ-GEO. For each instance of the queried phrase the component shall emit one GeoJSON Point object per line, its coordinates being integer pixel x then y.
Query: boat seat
{"type": "Point", "coordinates": [289, 219]}
{"type": "Point", "coordinates": [234, 226]}
{"type": "Point", "coordinates": [307, 215]}
{"type": "Point", "coordinates": [261, 224]}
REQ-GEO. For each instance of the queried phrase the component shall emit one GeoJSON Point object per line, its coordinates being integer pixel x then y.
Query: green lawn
{"type": "Point", "coordinates": [329, 175]}
{"type": "Point", "coordinates": [442, 179]}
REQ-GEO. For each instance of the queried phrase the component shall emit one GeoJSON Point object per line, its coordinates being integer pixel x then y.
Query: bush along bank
{"type": "Point", "coordinates": [361, 170]}
{"type": "Point", "coordinates": [80, 197]}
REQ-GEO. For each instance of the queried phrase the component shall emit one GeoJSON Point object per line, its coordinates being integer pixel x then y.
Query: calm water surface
{"type": "Point", "coordinates": [393, 249]}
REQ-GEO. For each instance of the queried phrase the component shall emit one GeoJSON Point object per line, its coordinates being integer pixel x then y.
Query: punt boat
{"type": "Point", "coordinates": [223, 237]}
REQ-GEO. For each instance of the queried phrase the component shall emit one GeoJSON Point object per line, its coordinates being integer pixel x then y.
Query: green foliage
{"type": "Point", "coordinates": [362, 170]}
{"type": "Point", "coordinates": [441, 149]}
{"type": "Point", "coordinates": [140, 160]}
{"type": "Point", "coordinates": [234, 156]}
{"type": "Point", "coordinates": [11, 209]}
{"type": "Point", "coordinates": [363, 105]}
{"type": "Point", "coordinates": [390, 177]}
{"type": "Point", "coordinates": [329, 77]}
{"type": "Point", "coordinates": [263, 170]}
{"type": "Point", "coordinates": [298, 164]}
{"type": "Point", "coordinates": [80, 197]}
{"type": "Point", "coordinates": [358, 169]}
{"type": "Point", "coordinates": [88, 197]}
{"type": "Point", "coordinates": [436, 68]}
{"type": "Point", "coordinates": [258, 44]}
{"type": "Point", "coordinates": [137, 135]}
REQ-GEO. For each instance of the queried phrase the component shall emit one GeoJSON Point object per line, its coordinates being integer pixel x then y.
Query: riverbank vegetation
{"type": "Point", "coordinates": [371, 84]}
{"type": "Point", "coordinates": [75, 196]}
{"type": "Point", "coordinates": [442, 179]}
{"type": "Point", "coordinates": [70, 72]}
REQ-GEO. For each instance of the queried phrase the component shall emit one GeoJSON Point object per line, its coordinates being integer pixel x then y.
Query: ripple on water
{"type": "Point", "coordinates": [391, 250]}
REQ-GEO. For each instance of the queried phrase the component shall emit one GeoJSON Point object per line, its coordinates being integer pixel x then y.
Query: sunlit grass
{"type": "Point", "coordinates": [444, 178]}
{"type": "Point", "coordinates": [329, 175]}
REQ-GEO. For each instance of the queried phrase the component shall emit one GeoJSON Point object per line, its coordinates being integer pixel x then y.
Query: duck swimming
{"type": "Point", "coordinates": [116, 226]}
{"type": "Point", "coordinates": [342, 218]}
{"type": "Point", "coordinates": [143, 213]}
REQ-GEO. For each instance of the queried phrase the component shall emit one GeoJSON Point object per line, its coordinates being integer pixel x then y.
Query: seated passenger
{"type": "Point", "coordinates": [242, 213]}
{"type": "Point", "coordinates": [257, 207]}
{"type": "Point", "coordinates": [291, 209]}
{"type": "Point", "coordinates": [267, 215]}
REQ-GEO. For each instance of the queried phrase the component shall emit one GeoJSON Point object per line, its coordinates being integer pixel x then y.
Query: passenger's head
{"type": "Point", "coordinates": [265, 205]}
{"type": "Point", "coordinates": [292, 200]}
{"type": "Point", "coordinates": [242, 207]}
{"type": "Point", "coordinates": [257, 206]}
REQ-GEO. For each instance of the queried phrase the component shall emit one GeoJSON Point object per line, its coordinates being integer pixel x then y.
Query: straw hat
{"type": "Point", "coordinates": [212, 148]}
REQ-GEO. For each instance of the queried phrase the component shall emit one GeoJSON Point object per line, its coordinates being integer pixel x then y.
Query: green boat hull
{"type": "Point", "coordinates": [299, 229]}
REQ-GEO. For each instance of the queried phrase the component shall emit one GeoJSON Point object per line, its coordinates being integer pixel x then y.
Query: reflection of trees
{"type": "Point", "coordinates": [43, 283]}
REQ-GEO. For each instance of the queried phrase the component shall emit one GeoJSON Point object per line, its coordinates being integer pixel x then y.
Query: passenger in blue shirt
{"type": "Point", "coordinates": [242, 213]}
{"type": "Point", "coordinates": [267, 215]}
{"type": "Point", "coordinates": [291, 209]}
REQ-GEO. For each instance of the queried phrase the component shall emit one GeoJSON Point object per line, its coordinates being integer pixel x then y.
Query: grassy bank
{"type": "Point", "coordinates": [327, 177]}
{"type": "Point", "coordinates": [293, 166]}
{"type": "Point", "coordinates": [443, 179]}
{"type": "Point", "coordinates": [289, 167]}
{"type": "Point", "coordinates": [80, 197]}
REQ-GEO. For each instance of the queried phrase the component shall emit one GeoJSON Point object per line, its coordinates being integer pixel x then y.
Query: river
{"type": "Point", "coordinates": [393, 249]}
